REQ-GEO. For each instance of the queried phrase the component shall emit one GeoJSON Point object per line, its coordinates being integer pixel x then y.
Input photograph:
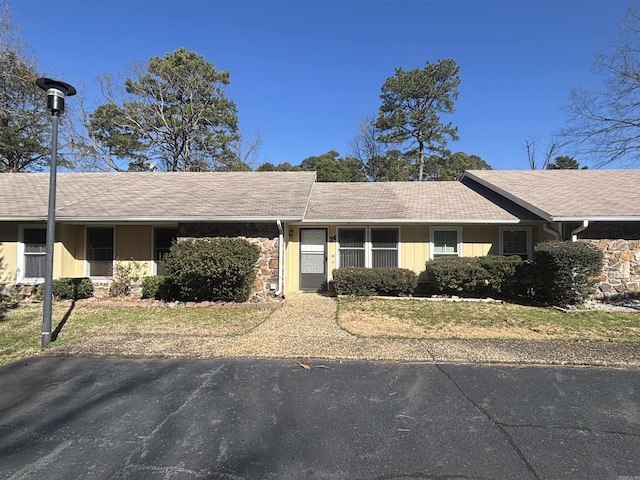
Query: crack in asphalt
{"type": "Point", "coordinates": [570, 429]}
{"type": "Point", "coordinates": [142, 444]}
{"type": "Point", "coordinates": [502, 428]}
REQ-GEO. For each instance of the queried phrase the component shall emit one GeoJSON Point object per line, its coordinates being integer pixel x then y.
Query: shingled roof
{"type": "Point", "coordinates": [158, 196]}
{"type": "Point", "coordinates": [567, 195]}
{"type": "Point", "coordinates": [398, 202]}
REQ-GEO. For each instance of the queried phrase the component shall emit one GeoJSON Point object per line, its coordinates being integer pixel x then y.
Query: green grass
{"type": "Point", "coordinates": [437, 319]}
{"type": "Point", "coordinates": [20, 328]}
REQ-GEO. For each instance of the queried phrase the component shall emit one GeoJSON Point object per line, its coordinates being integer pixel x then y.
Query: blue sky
{"type": "Point", "coordinates": [304, 72]}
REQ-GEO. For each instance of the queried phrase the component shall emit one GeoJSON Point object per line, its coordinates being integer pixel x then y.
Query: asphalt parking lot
{"type": "Point", "coordinates": [104, 418]}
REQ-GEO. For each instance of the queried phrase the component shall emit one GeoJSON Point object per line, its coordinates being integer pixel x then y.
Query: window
{"type": "Point", "coordinates": [361, 247]}
{"type": "Point", "coordinates": [100, 251]}
{"type": "Point", "coordinates": [35, 252]}
{"type": "Point", "coordinates": [384, 247]}
{"type": "Point", "coordinates": [351, 243]}
{"type": "Point", "coordinates": [516, 241]}
{"type": "Point", "coordinates": [446, 242]}
{"type": "Point", "coordinates": [162, 241]}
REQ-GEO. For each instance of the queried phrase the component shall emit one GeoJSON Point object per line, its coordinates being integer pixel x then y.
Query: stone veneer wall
{"type": "Point", "coordinates": [620, 276]}
{"type": "Point", "coordinates": [265, 235]}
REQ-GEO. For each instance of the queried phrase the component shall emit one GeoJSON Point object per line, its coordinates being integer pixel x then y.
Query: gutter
{"type": "Point", "coordinates": [280, 258]}
{"type": "Point", "coordinates": [576, 231]}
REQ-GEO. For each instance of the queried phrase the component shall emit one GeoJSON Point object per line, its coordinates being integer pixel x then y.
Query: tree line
{"type": "Point", "coordinates": [173, 113]}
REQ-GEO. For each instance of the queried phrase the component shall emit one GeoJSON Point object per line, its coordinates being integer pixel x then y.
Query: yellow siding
{"type": "Point", "coordinates": [479, 240]}
{"type": "Point", "coordinates": [414, 247]}
{"type": "Point", "coordinates": [133, 244]}
{"type": "Point", "coordinates": [8, 252]}
{"type": "Point", "coordinates": [292, 261]}
{"type": "Point", "coordinates": [68, 260]}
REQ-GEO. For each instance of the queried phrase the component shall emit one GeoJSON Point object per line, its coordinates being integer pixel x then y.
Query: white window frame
{"type": "Point", "coordinates": [518, 229]}
{"type": "Point", "coordinates": [87, 266]}
{"type": "Point", "coordinates": [20, 273]}
{"type": "Point", "coordinates": [368, 244]}
{"type": "Point", "coordinates": [154, 263]}
{"type": "Point", "coordinates": [445, 228]}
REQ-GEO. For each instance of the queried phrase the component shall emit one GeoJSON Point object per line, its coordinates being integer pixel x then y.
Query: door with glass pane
{"type": "Point", "coordinates": [313, 259]}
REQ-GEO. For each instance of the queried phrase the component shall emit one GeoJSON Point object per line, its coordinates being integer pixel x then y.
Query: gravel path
{"type": "Point", "coordinates": [306, 329]}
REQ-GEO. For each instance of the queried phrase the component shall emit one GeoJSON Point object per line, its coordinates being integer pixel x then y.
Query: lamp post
{"type": "Point", "coordinates": [56, 93]}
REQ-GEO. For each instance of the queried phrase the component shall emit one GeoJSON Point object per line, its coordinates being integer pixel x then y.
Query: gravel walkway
{"type": "Point", "coordinates": [306, 329]}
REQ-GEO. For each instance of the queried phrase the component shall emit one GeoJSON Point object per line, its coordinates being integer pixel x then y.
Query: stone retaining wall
{"type": "Point", "coordinates": [620, 276]}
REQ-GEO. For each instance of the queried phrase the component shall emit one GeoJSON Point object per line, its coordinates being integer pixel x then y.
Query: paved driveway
{"type": "Point", "coordinates": [79, 418]}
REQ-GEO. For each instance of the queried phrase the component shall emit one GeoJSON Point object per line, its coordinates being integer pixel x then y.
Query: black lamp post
{"type": "Point", "coordinates": [56, 93]}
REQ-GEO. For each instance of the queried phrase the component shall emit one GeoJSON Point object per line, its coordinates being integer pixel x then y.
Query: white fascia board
{"type": "Point", "coordinates": [510, 196]}
{"type": "Point", "coordinates": [605, 218]}
{"type": "Point", "coordinates": [28, 218]}
{"type": "Point", "coordinates": [175, 219]}
{"type": "Point", "coordinates": [368, 221]}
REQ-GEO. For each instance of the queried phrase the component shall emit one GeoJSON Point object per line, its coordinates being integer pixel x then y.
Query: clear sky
{"type": "Point", "coordinates": [305, 71]}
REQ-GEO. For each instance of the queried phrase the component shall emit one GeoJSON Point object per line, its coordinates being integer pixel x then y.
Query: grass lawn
{"type": "Point", "coordinates": [405, 318]}
{"type": "Point", "coordinates": [20, 328]}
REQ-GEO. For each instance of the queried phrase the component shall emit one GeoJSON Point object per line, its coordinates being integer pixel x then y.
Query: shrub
{"type": "Point", "coordinates": [456, 276]}
{"type": "Point", "coordinates": [125, 274]}
{"type": "Point", "coordinates": [212, 269]}
{"type": "Point", "coordinates": [501, 273]}
{"type": "Point", "coordinates": [390, 281]}
{"type": "Point", "coordinates": [68, 288]}
{"type": "Point", "coordinates": [565, 271]}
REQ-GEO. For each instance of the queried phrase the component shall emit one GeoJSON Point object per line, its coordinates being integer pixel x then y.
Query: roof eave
{"type": "Point", "coordinates": [452, 221]}
{"type": "Point", "coordinates": [509, 196]}
{"type": "Point", "coordinates": [596, 218]}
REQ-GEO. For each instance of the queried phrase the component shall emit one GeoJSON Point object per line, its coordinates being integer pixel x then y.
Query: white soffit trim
{"type": "Point", "coordinates": [368, 221]}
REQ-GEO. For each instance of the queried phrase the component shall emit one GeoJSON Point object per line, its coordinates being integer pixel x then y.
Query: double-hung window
{"type": "Point", "coordinates": [516, 241]}
{"type": "Point", "coordinates": [446, 242]}
{"type": "Point", "coordinates": [100, 251]}
{"type": "Point", "coordinates": [368, 247]}
{"type": "Point", "coordinates": [35, 253]}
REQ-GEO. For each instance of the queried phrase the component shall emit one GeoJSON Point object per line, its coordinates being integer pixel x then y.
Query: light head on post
{"type": "Point", "coordinates": [57, 91]}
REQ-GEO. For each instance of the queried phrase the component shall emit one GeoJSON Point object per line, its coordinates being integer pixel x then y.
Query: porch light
{"type": "Point", "coordinates": [291, 234]}
{"type": "Point", "coordinates": [57, 91]}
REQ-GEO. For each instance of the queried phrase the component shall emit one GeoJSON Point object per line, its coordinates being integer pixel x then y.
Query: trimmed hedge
{"type": "Point", "coordinates": [391, 281]}
{"type": "Point", "coordinates": [159, 288]}
{"type": "Point", "coordinates": [565, 271]}
{"type": "Point", "coordinates": [68, 288]}
{"type": "Point", "coordinates": [455, 276]}
{"type": "Point", "coordinates": [472, 276]}
{"type": "Point", "coordinates": [212, 269]}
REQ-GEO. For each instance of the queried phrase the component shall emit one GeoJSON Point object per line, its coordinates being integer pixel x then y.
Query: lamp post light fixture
{"type": "Point", "coordinates": [57, 91]}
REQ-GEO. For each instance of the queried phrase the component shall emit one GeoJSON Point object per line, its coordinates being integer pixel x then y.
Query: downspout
{"type": "Point", "coordinates": [576, 231]}
{"type": "Point", "coordinates": [280, 258]}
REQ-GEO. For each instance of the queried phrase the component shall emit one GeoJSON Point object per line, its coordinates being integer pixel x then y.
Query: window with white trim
{"type": "Point", "coordinates": [100, 251]}
{"type": "Point", "coordinates": [515, 241]}
{"type": "Point", "coordinates": [446, 242]}
{"type": "Point", "coordinates": [34, 254]}
{"type": "Point", "coordinates": [368, 247]}
{"type": "Point", "coordinates": [384, 247]}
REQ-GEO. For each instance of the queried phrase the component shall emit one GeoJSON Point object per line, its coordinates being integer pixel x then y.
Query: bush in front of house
{"type": "Point", "coordinates": [159, 288]}
{"type": "Point", "coordinates": [455, 276]}
{"type": "Point", "coordinates": [68, 288]}
{"type": "Point", "coordinates": [212, 269]}
{"type": "Point", "coordinates": [391, 281]}
{"type": "Point", "coordinates": [565, 271]}
{"type": "Point", "coordinates": [471, 276]}
{"type": "Point", "coordinates": [502, 273]}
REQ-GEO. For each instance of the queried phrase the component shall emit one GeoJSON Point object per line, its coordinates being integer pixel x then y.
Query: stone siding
{"type": "Point", "coordinates": [620, 276]}
{"type": "Point", "coordinates": [265, 235]}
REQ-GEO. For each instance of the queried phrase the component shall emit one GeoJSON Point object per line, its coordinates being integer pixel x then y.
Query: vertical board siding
{"type": "Point", "coordinates": [8, 252]}
{"type": "Point", "coordinates": [134, 243]}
